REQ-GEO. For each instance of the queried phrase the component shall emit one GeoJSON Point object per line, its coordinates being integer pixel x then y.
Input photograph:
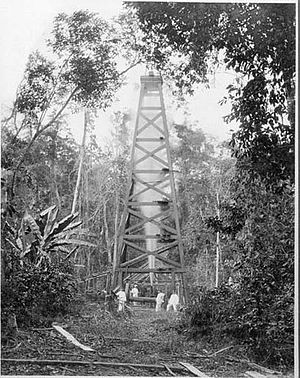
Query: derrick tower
{"type": "Point", "coordinates": [150, 246]}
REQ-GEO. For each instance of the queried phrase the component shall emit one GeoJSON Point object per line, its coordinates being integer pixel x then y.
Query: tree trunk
{"type": "Point", "coordinates": [81, 158]}
{"type": "Point", "coordinates": [106, 235]}
{"type": "Point", "coordinates": [218, 244]}
{"type": "Point", "coordinates": [116, 231]}
{"type": "Point", "coordinates": [54, 187]}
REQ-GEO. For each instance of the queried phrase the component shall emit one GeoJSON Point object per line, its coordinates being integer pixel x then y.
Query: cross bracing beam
{"type": "Point", "coordinates": [150, 122]}
{"type": "Point", "coordinates": [150, 186]}
{"type": "Point", "coordinates": [146, 253]}
{"type": "Point", "coordinates": [151, 220]}
{"type": "Point", "coordinates": [151, 154]}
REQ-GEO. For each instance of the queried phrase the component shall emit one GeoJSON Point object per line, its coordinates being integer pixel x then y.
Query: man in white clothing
{"type": "Point", "coordinates": [135, 293]}
{"type": "Point", "coordinates": [159, 300]}
{"type": "Point", "coordinates": [122, 299]}
{"type": "Point", "coordinates": [173, 302]}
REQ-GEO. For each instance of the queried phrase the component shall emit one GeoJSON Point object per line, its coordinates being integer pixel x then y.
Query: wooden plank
{"type": "Point", "coordinates": [156, 171]}
{"type": "Point", "coordinates": [152, 270]}
{"type": "Point", "coordinates": [145, 237]}
{"type": "Point", "coordinates": [151, 108]}
{"type": "Point", "coordinates": [148, 94]}
{"type": "Point", "coordinates": [149, 139]}
{"type": "Point", "coordinates": [194, 370]}
{"type": "Point", "coordinates": [140, 203]}
{"type": "Point", "coordinates": [142, 299]}
{"type": "Point", "coordinates": [71, 338]}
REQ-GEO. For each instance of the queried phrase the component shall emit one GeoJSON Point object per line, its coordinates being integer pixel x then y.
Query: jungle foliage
{"type": "Point", "coordinates": [78, 69]}
{"type": "Point", "coordinates": [246, 198]}
{"type": "Point", "coordinates": [256, 219]}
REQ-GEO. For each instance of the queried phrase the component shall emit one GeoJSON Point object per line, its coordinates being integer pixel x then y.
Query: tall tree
{"type": "Point", "coordinates": [80, 70]}
{"type": "Point", "coordinates": [205, 171]}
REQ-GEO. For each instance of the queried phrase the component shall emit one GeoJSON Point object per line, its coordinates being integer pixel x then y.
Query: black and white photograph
{"type": "Point", "coordinates": [149, 188]}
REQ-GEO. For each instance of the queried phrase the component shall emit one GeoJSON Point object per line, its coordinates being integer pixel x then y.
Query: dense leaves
{"type": "Point", "coordinates": [256, 219]}
{"type": "Point", "coordinates": [224, 313]}
{"type": "Point", "coordinates": [255, 40]}
{"type": "Point", "coordinates": [36, 295]}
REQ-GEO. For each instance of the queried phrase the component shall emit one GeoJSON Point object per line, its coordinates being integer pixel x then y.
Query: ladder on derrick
{"type": "Point", "coordinates": [150, 246]}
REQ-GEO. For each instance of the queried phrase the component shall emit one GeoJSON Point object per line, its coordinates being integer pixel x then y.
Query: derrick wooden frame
{"type": "Point", "coordinates": [132, 227]}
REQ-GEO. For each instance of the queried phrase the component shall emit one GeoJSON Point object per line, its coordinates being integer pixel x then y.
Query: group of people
{"type": "Point", "coordinates": [121, 295]}
{"type": "Point", "coordinates": [173, 301]}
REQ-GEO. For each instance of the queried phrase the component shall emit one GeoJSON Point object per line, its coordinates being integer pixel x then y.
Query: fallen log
{"type": "Point", "coordinates": [96, 363]}
{"type": "Point", "coordinates": [142, 299]}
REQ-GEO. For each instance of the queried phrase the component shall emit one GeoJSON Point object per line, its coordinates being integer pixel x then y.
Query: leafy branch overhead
{"type": "Point", "coordinates": [81, 69]}
{"type": "Point", "coordinates": [187, 41]}
{"type": "Point", "coordinates": [82, 64]}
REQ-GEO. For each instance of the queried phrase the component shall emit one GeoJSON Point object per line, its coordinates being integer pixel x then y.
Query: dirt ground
{"type": "Point", "coordinates": [142, 337]}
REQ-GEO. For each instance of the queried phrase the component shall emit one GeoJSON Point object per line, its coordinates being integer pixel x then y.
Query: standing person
{"type": "Point", "coordinates": [122, 299]}
{"type": "Point", "coordinates": [134, 292]}
{"type": "Point", "coordinates": [173, 302]}
{"type": "Point", "coordinates": [160, 298]}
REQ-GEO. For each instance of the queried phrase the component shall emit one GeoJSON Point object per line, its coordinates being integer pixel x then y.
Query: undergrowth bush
{"type": "Point", "coordinates": [36, 295]}
{"type": "Point", "coordinates": [228, 312]}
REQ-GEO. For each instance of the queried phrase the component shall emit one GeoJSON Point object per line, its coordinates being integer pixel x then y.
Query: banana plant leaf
{"type": "Point", "coordinates": [74, 242]}
{"type": "Point", "coordinates": [14, 245]}
{"type": "Point", "coordinates": [47, 211]}
{"type": "Point", "coordinates": [72, 226]}
{"type": "Point", "coordinates": [60, 226]}
{"type": "Point", "coordinates": [63, 249]}
{"type": "Point", "coordinates": [51, 220]}
{"type": "Point", "coordinates": [33, 225]}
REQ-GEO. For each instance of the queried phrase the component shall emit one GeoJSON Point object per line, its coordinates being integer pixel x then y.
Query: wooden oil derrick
{"type": "Point", "coordinates": [150, 246]}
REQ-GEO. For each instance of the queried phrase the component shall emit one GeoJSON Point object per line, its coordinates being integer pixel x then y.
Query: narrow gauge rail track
{"type": "Point", "coordinates": [185, 367]}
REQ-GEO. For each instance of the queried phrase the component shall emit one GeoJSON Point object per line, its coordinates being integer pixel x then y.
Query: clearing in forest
{"type": "Point", "coordinates": [140, 343]}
